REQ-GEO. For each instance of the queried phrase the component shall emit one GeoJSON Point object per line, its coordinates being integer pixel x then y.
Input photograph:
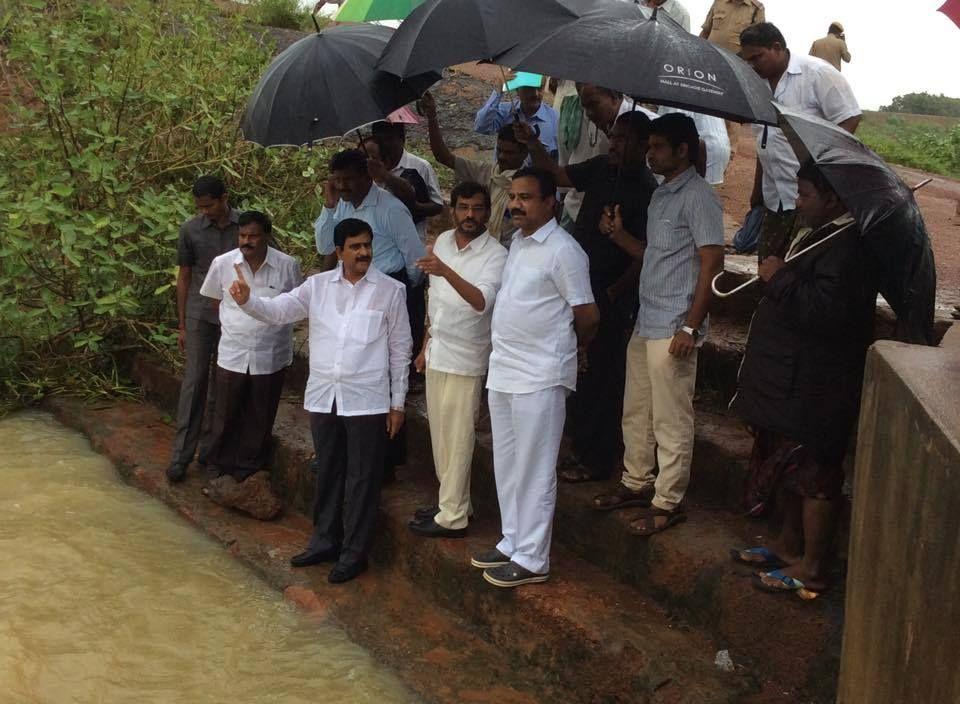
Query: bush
{"type": "Point", "coordinates": [119, 107]}
{"type": "Point", "coordinates": [909, 142]}
{"type": "Point", "coordinates": [924, 104]}
{"type": "Point", "coordinates": [287, 14]}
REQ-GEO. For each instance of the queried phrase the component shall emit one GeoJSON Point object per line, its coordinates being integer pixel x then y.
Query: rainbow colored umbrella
{"type": "Point", "coordinates": [372, 10]}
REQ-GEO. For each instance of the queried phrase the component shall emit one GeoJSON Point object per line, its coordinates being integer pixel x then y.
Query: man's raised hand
{"type": "Point", "coordinates": [240, 290]}
{"type": "Point", "coordinates": [432, 264]}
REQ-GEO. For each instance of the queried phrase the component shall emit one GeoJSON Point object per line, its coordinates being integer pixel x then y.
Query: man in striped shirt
{"type": "Point", "coordinates": [682, 254]}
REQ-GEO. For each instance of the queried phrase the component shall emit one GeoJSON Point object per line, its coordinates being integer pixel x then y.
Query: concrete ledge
{"type": "Point", "coordinates": [903, 615]}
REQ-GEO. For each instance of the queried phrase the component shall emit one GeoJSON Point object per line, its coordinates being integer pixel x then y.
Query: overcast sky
{"type": "Point", "coordinates": [897, 47]}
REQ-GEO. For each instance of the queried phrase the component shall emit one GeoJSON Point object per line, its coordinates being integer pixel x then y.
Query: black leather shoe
{"type": "Point", "coordinates": [176, 472]}
{"type": "Point", "coordinates": [314, 557]}
{"type": "Point", "coordinates": [344, 573]}
{"type": "Point", "coordinates": [431, 529]}
{"type": "Point", "coordinates": [425, 513]}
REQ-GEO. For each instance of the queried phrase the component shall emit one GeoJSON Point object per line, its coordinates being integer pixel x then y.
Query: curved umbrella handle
{"type": "Point", "coordinates": [725, 294]}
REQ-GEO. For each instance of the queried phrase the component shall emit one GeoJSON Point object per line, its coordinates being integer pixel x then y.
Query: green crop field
{"type": "Point", "coordinates": [921, 141]}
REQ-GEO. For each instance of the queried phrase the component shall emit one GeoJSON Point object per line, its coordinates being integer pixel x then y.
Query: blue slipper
{"type": "Point", "coordinates": [767, 557]}
{"type": "Point", "coordinates": [782, 584]}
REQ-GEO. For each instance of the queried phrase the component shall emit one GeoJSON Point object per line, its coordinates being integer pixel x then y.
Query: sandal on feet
{"type": "Point", "coordinates": [622, 497]}
{"type": "Point", "coordinates": [779, 583]}
{"type": "Point", "coordinates": [757, 557]}
{"type": "Point", "coordinates": [647, 524]}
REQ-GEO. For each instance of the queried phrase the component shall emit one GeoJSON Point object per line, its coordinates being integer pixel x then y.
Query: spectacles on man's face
{"type": "Point", "coordinates": [465, 208]}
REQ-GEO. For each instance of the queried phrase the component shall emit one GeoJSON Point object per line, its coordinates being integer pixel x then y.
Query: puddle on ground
{"type": "Point", "coordinates": [107, 597]}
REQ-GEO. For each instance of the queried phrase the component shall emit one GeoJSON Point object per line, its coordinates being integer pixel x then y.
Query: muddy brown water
{"type": "Point", "coordinates": [106, 596]}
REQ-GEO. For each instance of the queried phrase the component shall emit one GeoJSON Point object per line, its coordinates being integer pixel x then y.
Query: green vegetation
{"type": "Point", "coordinates": [924, 104]}
{"type": "Point", "coordinates": [931, 144]}
{"type": "Point", "coordinates": [287, 14]}
{"type": "Point", "coordinates": [117, 108]}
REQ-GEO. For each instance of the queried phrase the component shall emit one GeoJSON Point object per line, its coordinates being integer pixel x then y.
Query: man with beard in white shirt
{"type": "Point", "coordinates": [543, 322]}
{"type": "Point", "coordinates": [465, 266]}
{"type": "Point", "coordinates": [359, 357]}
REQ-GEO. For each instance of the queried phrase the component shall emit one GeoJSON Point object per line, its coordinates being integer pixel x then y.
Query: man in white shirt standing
{"type": "Point", "coordinates": [252, 356]}
{"type": "Point", "coordinates": [359, 357]}
{"type": "Point", "coordinates": [801, 83]}
{"type": "Point", "coordinates": [543, 321]}
{"type": "Point", "coordinates": [465, 266]}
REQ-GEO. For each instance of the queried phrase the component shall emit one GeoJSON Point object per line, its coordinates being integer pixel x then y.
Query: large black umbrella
{"type": "Point", "coordinates": [884, 207]}
{"type": "Point", "coordinates": [326, 85]}
{"type": "Point", "coordinates": [617, 45]}
{"type": "Point", "coordinates": [443, 33]}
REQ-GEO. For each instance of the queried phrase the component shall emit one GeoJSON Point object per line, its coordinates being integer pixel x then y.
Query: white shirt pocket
{"type": "Point", "coordinates": [365, 326]}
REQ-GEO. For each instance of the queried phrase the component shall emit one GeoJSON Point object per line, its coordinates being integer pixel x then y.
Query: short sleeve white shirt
{"type": "Point", "coordinates": [248, 345]}
{"type": "Point", "coordinates": [534, 342]}
{"type": "Point", "coordinates": [813, 87]}
{"type": "Point", "coordinates": [459, 334]}
{"type": "Point", "coordinates": [360, 341]}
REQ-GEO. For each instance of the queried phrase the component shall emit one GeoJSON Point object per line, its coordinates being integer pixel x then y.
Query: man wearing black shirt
{"type": "Point", "coordinates": [618, 182]}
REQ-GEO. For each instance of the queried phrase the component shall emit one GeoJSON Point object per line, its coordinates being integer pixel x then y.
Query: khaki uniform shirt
{"type": "Point", "coordinates": [831, 49]}
{"type": "Point", "coordinates": [727, 18]}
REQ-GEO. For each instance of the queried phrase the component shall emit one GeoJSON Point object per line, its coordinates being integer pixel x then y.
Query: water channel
{"type": "Point", "coordinates": [106, 596]}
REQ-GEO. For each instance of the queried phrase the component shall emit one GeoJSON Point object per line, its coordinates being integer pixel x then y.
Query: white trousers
{"type": "Point", "coordinates": [527, 429]}
{"type": "Point", "coordinates": [658, 420]}
{"type": "Point", "coordinates": [453, 404]}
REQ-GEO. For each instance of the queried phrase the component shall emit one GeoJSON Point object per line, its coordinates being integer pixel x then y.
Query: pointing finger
{"type": "Point", "coordinates": [236, 268]}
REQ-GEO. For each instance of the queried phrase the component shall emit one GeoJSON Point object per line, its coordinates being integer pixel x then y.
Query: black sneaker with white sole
{"type": "Point", "coordinates": [489, 558]}
{"type": "Point", "coordinates": [513, 575]}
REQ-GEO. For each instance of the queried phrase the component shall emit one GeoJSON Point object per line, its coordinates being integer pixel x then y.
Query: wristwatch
{"type": "Point", "coordinates": [692, 332]}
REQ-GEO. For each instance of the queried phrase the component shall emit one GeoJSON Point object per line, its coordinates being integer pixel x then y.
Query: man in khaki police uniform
{"type": "Point", "coordinates": [724, 22]}
{"type": "Point", "coordinates": [833, 47]}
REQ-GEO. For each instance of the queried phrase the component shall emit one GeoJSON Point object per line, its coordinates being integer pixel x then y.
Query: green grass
{"type": "Point", "coordinates": [919, 141]}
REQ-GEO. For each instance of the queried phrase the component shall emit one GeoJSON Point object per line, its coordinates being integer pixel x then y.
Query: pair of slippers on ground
{"type": "Point", "coordinates": [774, 581]}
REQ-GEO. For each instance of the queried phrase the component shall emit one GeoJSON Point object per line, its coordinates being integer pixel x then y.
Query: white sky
{"type": "Point", "coordinates": [897, 47]}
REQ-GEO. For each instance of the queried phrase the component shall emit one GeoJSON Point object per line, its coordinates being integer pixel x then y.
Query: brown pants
{"type": "Point", "coordinates": [246, 407]}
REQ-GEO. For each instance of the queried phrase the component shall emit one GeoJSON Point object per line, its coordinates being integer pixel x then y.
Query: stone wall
{"type": "Point", "coordinates": [902, 632]}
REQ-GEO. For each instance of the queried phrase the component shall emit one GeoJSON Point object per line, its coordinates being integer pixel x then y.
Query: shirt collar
{"type": "Point", "coordinates": [373, 275]}
{"type": "Point", "coordinates": [371, 200]}
{"type": "Point", "coordinates": [476, 244]}
{"type": "Point", "coordinates": [269, 260]}
{"type": "Point", "coordinates": [795, 66]}
{"type": "Point", "coordinates": [679, 182]}
{"type": "Point", "coordinates": [540, 235]}
{"type": "Point", "coordinates": [234, 219]}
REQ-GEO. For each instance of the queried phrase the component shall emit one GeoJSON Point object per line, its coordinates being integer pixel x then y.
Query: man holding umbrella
{"type": "Point", "coordinates": [805, 84]}
{"type": "Point", "coordinates": [799, 385]}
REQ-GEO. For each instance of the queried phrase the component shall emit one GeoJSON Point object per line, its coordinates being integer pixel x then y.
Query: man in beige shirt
{"type": "Point", "coordinates": [727, 18]}
{"type": "Point", "coordinates": [833, 47]}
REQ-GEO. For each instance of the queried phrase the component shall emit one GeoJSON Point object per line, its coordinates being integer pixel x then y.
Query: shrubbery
{"type": "Point", "coordinates": [921, 145]}
{"type": "Point", "coordinates": [924, 104]}
{"type": "Point", "coordinates": [118, 106]}
{"type": "Point", "coordinates": [288, 14]}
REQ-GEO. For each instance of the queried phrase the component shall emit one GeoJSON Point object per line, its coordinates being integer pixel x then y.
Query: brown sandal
{"type": "Point", "coordinates": [622, 497]}
{"type": "Point", "coordinates": [646, 524]}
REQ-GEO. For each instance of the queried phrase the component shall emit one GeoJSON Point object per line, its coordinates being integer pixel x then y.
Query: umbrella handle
{"type": "Point", "coordinates": [726, 294]}
{"type": "Point", "coordinates": [516, 111]}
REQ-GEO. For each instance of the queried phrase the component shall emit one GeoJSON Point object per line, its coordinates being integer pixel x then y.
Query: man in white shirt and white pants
{"type": "Point", "coordinates": [252, 356]}
{"type": "Point", "coordinates": [465, 267]}
{"type": "Point", "coordinates": [359, 357]}
{"type": "Point", "coordinates": [543, 321]}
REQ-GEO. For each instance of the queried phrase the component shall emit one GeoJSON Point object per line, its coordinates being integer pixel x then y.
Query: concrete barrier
{"type": "Point", "coordinates": [902, 631]}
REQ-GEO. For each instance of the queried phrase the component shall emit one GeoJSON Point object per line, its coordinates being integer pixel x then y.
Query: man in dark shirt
{"type": "Point", "coordinates": [618, 182]}
{"type": "Point", "coordinates": [211, 233]}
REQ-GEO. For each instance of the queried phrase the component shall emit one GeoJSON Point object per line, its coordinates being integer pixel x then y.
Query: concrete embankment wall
{"type": "Point", "coordinates": [902, 631]}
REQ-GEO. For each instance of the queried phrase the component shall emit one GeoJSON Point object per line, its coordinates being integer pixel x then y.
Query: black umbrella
{"type": "Point", "coordinates": [443, 33]}
{"type": "Point", "coordinates": [326, 85]}
{"type": "Point", "coordinates": [883, 206]}
{"type": "Point", "coordinates": [617, 45]}
{"type": "Point", "coordinates": [886, 211]}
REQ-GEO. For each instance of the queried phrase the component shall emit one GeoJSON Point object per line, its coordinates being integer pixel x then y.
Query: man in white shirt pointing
{"type": "Point", "coordinates": [465, 266]}
{"type": "Point", "coordinates": [543, 321]}
{"type": "Point", "coordinates": [252, 357]}
{"type": "Point", "coordinates": [360, 350]}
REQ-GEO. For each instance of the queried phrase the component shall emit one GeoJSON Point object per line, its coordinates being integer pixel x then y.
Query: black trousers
{"type": "Point", "coordinates": [595, 410]}
{"type": "Point", "coordinates": [242, 426]}
{"type": "Point", "coordinates": [194, 410]}
{"type": "Point", "coordinates": [396, 454]}
{"type": "Point", "coordinates": [349, 466]}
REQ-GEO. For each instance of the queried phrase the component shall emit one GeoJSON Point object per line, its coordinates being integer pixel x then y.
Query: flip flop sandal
{"type": "Point", "coordinates": [782, 584]}
{"type": "Point", "coordinates": [621, 497]}
{"type": "Point", "coordinates": [646, 524]}
{"type": "Point", "coordinates": [767, 557]}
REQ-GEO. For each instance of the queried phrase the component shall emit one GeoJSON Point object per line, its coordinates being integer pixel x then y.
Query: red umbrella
{"type": "Point", "coordinates": [951, 8]}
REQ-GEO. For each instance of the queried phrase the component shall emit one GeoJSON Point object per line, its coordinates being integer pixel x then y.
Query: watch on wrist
{"type": "Point", "coordinates": [692, 332]}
